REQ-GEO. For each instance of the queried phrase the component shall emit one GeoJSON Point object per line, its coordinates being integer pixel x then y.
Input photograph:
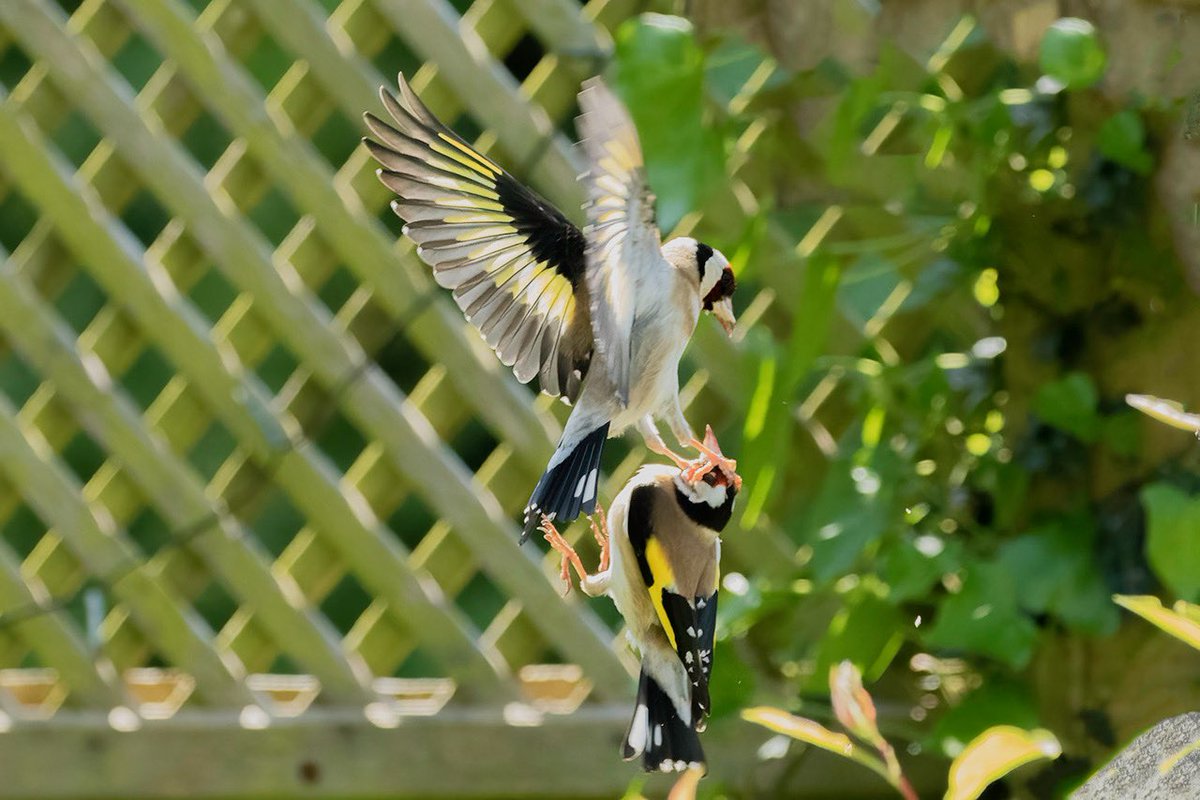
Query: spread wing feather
{"type": "Point", "coordinates": [623, 240]}
{"type": "Point", "coordinates": [515, 264]}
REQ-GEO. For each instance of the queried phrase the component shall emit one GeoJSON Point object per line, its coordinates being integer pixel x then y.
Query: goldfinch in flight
{"type": "Point", "coordinates": [600, 315]}
{"type": "Point", "coordinates": [660, 563]}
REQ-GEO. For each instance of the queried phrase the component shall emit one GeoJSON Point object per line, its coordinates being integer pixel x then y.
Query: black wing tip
{"type": "Point", "coordinates": [571, 486]}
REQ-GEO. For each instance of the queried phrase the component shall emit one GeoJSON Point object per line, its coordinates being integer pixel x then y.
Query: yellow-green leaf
{"type": "Point", "coordinates": [800, 728]}
{"type": "Point", "coordinates": [993, 754]}
{"type": "Point", "coordinates": [1183, 622]}
{"type": "Point", "coordinates": [1167, 411]}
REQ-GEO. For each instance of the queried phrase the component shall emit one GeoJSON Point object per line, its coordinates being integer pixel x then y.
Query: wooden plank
{"type": "Point", "coordinates": [562, 29]}
{"type": "Point", "coordinates": [179, 632]}
{"type": "Point", "coordinates": [359, 238]}
{"type": "Point", "coordinates": [294, 317]}
{"type": "Point", "coordinates": [91, 679]}
{"type": "Point", "coordinates": [431, 29]}
{"type": "Point", "coordinates": [230, 552]}
{"type": "Point", "coordinates": [373, 402]}
{"type": "Point", "coordinates": [337, 753]}
{"type": "Point", "coordinates": [165, 96]}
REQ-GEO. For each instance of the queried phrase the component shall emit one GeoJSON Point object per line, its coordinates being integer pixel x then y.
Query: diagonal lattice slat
{"type": "Point", "coordinates": [256, 450]}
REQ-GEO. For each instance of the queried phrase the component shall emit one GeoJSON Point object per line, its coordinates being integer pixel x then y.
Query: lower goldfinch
{"type": "Point", "coordinates": [662, 535]}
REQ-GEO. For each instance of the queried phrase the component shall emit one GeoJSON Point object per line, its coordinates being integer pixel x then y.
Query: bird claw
{"type": "Point", "coordinates": [710, 449]}
{"type": "Point", "coordinates": [564, 549]}
{"type": "Point", "coordinates": [599, 523]}
{"type": "Point", "coordinates": [711, 458]}
{"type": "Point", "coordinates": [570, 558]}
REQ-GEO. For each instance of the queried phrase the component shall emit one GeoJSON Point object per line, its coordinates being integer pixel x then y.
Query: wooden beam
{"type": "Point", "coordinates": [339, 753]}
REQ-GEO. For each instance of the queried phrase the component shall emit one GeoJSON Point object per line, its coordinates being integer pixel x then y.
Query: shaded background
{"type": "Point", "coordinates": [958, 246]}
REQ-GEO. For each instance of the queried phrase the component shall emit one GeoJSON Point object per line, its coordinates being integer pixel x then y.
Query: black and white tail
{"type": "Point", "coordinates": [656, 733]}
{"type": "Point", "coordinates": [569, 486]}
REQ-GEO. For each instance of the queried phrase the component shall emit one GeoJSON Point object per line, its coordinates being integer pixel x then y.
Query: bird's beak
{"type": "Point", "coordinates": [723, 311]}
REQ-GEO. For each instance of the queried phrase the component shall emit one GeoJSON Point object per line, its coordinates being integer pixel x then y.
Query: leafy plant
{"type": "Point", "coordinates": [939, 251]}
{"type": "Point", "coordinates": [987, 758]}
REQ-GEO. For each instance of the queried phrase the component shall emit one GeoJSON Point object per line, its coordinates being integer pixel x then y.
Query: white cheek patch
{"type": "Point", "coordinates": [701, 492]}
{"type": "Point", "coordinates": [712, 273]}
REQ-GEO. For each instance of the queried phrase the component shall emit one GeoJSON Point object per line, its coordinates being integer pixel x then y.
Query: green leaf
{"type": "Point", "coordinates": [984, 617]}
{"type": "Point", "coordinates": [659, 73]}
{"type": "Point", "coordinates": [865, 286]}
{"type": "Point", "coordinates": [769, 420]}
{"type": "Point", "coordinates": [1122, 138]}
{"type": "Point", "coordinates": [995, 753]}
{"type": "Point", "coordinates": [734, 682]}
{"type": "Point", "coordinates": [854, 507]}
{"type": "Point", "coordinates": [913, 564]}
{"type": "Point", "coordinates": [1071, 53]}
{"type": "Point", "coordinates": [1173, 518]}
{"type": "Point", "coordinates": [1122, 433]}
{"type": "Point", "coordinates": [867, 632]}
{"type": "Point", "coordinates": [1069, 404]}
{"type": "Point", "coordinates": [1058, 574]}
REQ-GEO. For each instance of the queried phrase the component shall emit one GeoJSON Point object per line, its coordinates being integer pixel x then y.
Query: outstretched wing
{"type": "Point", "coordinates": [623, 240]}
{"type": "Point", "coordinates": [514, 262]}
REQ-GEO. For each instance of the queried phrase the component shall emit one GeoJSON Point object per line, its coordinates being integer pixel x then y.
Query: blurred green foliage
{"type": "Point", "coordinates": [932, 245]}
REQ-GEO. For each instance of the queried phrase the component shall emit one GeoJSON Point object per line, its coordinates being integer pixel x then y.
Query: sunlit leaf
{"type": "Point", "coordinates": [999, 701]}
{"type": "Point", "coordinates": [1071, 53]}
{"type": "Point", "coordinates": [805, 730]}
{"type": "Point", "coordinates": [1183, 622]}
{"type": "Point", "coordinates": [852, 705]}
{"type": "Point", "coordinates": [1167, 411]}
{"type": "Point", "coordinates": [995, 753]}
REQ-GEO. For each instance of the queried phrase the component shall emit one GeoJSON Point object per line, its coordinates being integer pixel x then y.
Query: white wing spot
{"type": "Point", "coordinates": [639, 729]}
{"type": "Point", "coordinates": [691, 631]}
{"type": "Point", "coordinates": [658, 735]}
{"type": "Point", "coordinates": [590, 492]}
{"type": "Point", "coordinates": [579, 486]}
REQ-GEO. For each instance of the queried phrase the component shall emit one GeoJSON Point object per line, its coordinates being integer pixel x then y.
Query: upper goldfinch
{"type": "Point", "coordinates": [663, 542]}
{"type": "Point", "coordinates": [546, 296]}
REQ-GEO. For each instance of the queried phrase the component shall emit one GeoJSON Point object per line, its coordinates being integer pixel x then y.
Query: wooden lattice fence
{"type": "Point", "coordinates": [255, 470]}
